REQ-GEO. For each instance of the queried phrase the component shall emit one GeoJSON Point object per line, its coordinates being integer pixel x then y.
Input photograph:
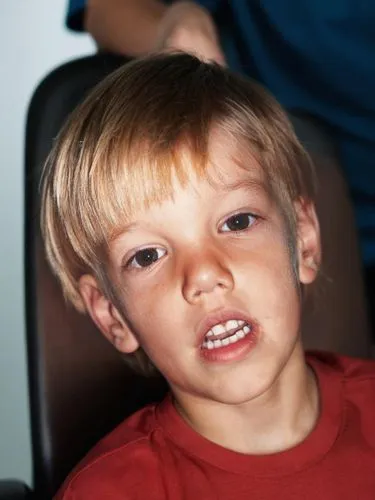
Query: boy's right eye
{"type": "Point", "coordinates": [146, 257]}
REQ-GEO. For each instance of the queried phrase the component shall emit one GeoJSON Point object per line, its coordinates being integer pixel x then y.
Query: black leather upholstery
{"type": "Point", "coordinates": [79, 387]}
{"type": "Point", "coordinates": [14, 490]}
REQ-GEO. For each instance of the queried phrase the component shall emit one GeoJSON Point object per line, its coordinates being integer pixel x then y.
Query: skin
{"type": "Point", "coordinates": [267, 395]}
{"type": "Point", "coordinates": [182, 26]}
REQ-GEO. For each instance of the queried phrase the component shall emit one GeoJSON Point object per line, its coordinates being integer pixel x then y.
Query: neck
{"type": "Point", "coordinates": [277, 420]}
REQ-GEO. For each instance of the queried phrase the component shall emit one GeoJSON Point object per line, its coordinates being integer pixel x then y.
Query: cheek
{"type": "Point", "coordinates": [147, 308]}
{"type": "Point", "coordinates": [270, 279]}
{"type": "Point", "coordinates": [139, 295]}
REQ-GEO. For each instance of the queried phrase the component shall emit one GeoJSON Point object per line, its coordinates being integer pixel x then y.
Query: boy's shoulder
{"type": "Point", "coordinates": [354, 378]}
{"type": "Point", "coordinates": [119, 464]}
{"type": "Point", "coordinates": [351, 382]}
{"type": "Point", "coordinates": [351, 370]}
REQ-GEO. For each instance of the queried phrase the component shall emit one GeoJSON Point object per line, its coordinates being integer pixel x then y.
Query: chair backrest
{"type": "Point", "coordinates": [79, 387]}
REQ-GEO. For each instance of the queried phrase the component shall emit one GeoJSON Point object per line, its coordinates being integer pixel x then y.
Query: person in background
{"type": "Point", "coordinates": [317, 59]}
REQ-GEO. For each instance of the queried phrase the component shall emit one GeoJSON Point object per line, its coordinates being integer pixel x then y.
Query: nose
{"type": "Point", "coordinates": [206, 274]}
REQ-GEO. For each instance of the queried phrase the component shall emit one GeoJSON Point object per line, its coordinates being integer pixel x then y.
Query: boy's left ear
{"type": "Point", "coordinates": [308, 241]}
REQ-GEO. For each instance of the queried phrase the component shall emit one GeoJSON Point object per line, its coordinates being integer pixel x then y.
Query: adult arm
{"type": "Point", "coordinates": [137, 27]}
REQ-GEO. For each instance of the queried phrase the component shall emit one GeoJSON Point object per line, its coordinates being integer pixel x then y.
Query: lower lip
{"type": "Point", "coordinates": [231, 352]}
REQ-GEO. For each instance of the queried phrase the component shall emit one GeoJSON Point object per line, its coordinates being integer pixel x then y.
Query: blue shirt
{"type": "Point", "coordinates": [315, 56]}
{"type": "Point", "coordinates": [74, 18]}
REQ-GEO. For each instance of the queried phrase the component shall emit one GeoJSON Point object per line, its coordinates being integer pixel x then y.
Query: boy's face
{"type": "Point", "coordinates": [207, 285]}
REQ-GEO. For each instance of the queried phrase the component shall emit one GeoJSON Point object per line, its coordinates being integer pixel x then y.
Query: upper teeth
{"type": "Point", "coordinates": [211, 343]}
{"type": "Point", "coordinates": [225, 327]}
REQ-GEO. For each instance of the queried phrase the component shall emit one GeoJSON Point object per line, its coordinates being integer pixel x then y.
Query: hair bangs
{"type": "Point", "coordinates": [126, 179]}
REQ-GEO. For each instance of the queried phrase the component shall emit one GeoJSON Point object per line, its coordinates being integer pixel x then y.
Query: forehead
{"type": "Point", "coordinates": [232, 163]}
{"type": "Point", "coordinates": [225, 171]}
{"type": "Point", "coordinates": [225, 165]}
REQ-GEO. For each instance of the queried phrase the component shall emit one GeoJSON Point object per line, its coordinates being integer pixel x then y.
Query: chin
{"type": "Point", "coordinates": [242, 391]}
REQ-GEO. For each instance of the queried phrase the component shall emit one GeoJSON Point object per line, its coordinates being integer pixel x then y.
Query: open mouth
{"type": "Point", "coordinates": [224, 334]}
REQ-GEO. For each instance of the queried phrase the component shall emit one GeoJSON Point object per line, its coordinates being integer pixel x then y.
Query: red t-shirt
{"type": "Point", "coordinates": [155, 455]}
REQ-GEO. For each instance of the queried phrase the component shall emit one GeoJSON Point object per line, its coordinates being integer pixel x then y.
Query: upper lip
{"type": "Point", "coordinates": [219, 316]}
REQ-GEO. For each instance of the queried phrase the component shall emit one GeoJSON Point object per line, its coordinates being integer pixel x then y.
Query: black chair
{"type": "Point", "coordinates": [79, 386]}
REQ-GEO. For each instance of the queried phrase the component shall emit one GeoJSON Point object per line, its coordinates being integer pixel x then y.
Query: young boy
{"type": "Point", "coordinates": [178, 212]}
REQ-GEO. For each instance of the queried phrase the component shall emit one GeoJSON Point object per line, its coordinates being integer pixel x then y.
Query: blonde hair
{"type": "Point", "coordinates": [119, 152]}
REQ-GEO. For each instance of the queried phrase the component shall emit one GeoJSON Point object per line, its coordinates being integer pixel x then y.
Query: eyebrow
{"type": "Point", "coordinates": [252, 184]}
{"type": "Point", "coordinates": [128, 228]}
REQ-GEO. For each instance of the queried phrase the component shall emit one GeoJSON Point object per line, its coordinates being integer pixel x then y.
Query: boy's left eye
{"type": "Point", "coordinates": [238, 222]}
